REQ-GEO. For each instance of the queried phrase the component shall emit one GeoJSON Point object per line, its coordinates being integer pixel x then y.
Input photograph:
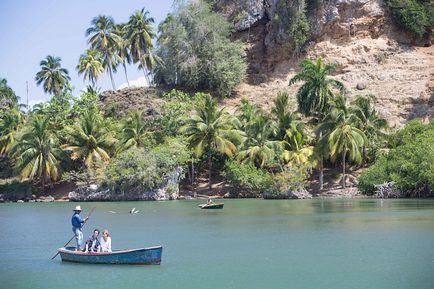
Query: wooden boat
{"type": "Point", "coordinates": [212, 206]}
{"type": "Point", "coordinates": [142, 256]}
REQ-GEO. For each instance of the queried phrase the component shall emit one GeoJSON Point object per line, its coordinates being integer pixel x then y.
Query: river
{"type": "Point", "coordinates": [264, 244]}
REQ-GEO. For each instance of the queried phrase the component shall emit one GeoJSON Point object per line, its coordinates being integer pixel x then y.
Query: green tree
{"type": "Point", "coordinates": [134, 132]}
{"type": "Point", "coordinates": [211, 129]}
{"type": "Point", "coordinates": [90, 65]}
{"type": "Point", "coordinates": [140, 32]}
{"type": "Point", "coordinates": [103, 37]}
{"type": "Point", "coordinates": [282, 115]}
{"type": "Point", "coordinates": [36, 152]}
{"type": "Point", "coordinates": [197, 50]}
{"type": "Point", "coordinates": [10, 122]}
{"type": "Point", "coordinates": [343, 137]}
{"type": "Point", "coordinates": [368, 121]}
{"type": "Point", "coordinates": [122, 48]}
{"type": "Point", "coordinates": [314, 95]}
{"type": "Point", "coordinates": [8, 98]}
{"type": "Point", "coordinates": [89, 140]}
{"type": "Point", "coordinates": [299, 28]}
{"type": "Point", "coordinates": [52, 75]}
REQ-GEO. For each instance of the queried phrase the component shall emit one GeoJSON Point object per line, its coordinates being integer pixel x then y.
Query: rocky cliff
{"type": "Point", "coordinates": [372, 55]}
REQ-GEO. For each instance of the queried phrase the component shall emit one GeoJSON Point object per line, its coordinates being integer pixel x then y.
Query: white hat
{"type": "Point", "coordinates": [77, 208]}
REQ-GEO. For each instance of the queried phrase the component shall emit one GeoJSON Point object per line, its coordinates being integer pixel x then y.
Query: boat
{"type": "Point", "coordinates": [142, 256]}
{"type": "Point", "coordinates": [212, 206]}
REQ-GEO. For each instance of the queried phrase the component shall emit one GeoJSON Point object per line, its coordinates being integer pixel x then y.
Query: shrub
{"type": "Point", "coordinates": [415, 16]}
{"type": "Point", "coordinates": [247, 178]}
{"type": "Point", "coordinates": [291, 179]}
{"type": "Point", "coordinates": [140, 170]}
{"type": "Point", "coordinates": [410, 163]}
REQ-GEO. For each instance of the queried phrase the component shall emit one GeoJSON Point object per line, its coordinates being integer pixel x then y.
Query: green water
{"type": "Point", "coordinates": [250, 244]}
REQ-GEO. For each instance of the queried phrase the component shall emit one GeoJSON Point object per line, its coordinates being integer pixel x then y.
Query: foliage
{"type": "Point", "coordinates": [134, 132]}
{"type": "Point", "coordinates": [89, 140]}
{"type": "Point", "coordinates": [14, 190]}
{"type": "Point", "coordinates": [248, 178]}
{"type": "Point", "coordinates": [415, 16]}
{"type": "Point", "coordinates": [299, 30]}
{"type": "Point", "coordinates": [410, 162]}
{"type": "Point", "coordinates": [36, 152]}
{"type": "Point", "coordinates": [10, 122]}
{"type": "Point", "coordinates": [90, 65]}
{"type": "Point", "coordinates": [175, 110]}
{"type": "Point", "coordinates": [54, 78]}
{"type": "Point", "coordinates": [88, 101]}
{"type": "Point", "coordinates": [8, 98]}
{"type": "Point", "coordinates": [291, 179]}
{"type": "Point", "coordinates": [197, 51]}
{"type": "Point", "coordinates": [314, 95]}
{"type": "Point", "coordinates": [139, 169]}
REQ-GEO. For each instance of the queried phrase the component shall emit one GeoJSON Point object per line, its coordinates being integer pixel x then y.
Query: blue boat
{"type": "Point", "coordinates": [142, 256]}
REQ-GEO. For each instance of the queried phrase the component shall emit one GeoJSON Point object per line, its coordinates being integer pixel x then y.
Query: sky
{"type": "Point", "coordinates": [30, 30]}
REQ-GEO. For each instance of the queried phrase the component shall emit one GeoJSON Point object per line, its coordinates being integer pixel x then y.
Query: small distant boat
{"type": "Point", "coordinates": [142, 256]}
{"type": "Point", "coordinates": [212, 206]}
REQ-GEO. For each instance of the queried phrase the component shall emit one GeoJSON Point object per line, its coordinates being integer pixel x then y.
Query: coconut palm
{"type": "Point", "coordinates": [134, 132]}
{"type": "Point", "coordinates": [36, 153]}
{"type": "Point", "coordinates": [89, 141]}
{"type": "Point", "coordinates": [90, 65]}
{"type": "Point", "coordinates": [150, 63]}
{"type": "Point", "coordinates": [368, 121]}
{"type": "Point", "coordinates": [52, 75]}
{"type": "Point", "coordinates": [281, 114]}
{"type": "Point", "coordinates": [9, 124]}
{"type": "Point", "coordinates": [8, 98]}
{"type": "Point", "coordinates": [211, 129]}
{"type": "Point", "coordinates": [140, 32]}
{"type": "Point", "coordinates": [259, 145]}
{"type": "Point", "coordinates": [343, 137]}
{"type": "Point", "coordinates": [122, 48]}
{"type": "Point", "coordinates": [296, 150]}
{"type": "Point", "coordinates": [103, 37]}
{"type": "Point", "coordinates": [314, 95]}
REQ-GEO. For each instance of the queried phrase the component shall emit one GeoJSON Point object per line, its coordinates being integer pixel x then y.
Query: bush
{"type": "Point", "coordinates": [410, 163]}
{"type": "Point", "coordinates": [291, 179]}
{"type": "Point", "coordinates": [415, 16]}
{"type": "Point", "coordinates": [140, 170]}
{"type": "Point", "coordinates": [13, 190]}
{"type": "Point", "coordinates": [247, 178]}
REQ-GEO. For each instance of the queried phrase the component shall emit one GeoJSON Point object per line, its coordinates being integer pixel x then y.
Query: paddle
{"type": "Point", "coordinates": [88, 216]}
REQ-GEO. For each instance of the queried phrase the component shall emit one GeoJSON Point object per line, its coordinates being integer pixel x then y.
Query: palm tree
{"type": "Point", "coordinates": [150, 63]}
{"type": "Point", "coordinates": [89, 141]}
{"type": "Point", "coordinates": [8, 98]}
{"type": "Point", "coordinates": [313, 96]}
{"type": "Point", "coordinates": [343, 136]}
{"type": "Point", "coordinates": [9, 124]}
{"type": "Point", "coordinates": [103, 37]}
{"type": "Point", "coordinates": [134, 132]}
{"type": "Point", "coordinates": [36, 153]}
{"type": "Point", "coordinates": [282, 115]}
{"type": "Point", "coordinates": [122, 48]}
{"type": "Point", "coordinates": [211, 129]}
{"type": "Point", "coordinates": [368, 121]}
{"type": "Point", "coordinates": [296, 149]}
{"type": "Point", "coordinates": [90, 65]}
{"type": "Point", "coordinates": [140, 33]}
{"type": "Point", "coordinates": [52, 75]}
{"type": "Point", "coordinates": [259, 146]}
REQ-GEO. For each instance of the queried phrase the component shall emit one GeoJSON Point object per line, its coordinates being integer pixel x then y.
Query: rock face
{"type": "Point", "coordinates": [371, 54]}
{"type": "Point", "coordinates": [97, 193]}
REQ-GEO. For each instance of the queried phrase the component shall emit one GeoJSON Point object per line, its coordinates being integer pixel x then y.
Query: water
{"type": "Point", "coordinates": [249, 244]}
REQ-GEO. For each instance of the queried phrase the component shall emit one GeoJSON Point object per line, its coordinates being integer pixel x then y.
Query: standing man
{"type": "Point", "coordinates": [77, 222]}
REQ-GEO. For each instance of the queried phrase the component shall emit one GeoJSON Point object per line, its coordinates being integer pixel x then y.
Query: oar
{"type": "Point", "coordinates": [88, 216]}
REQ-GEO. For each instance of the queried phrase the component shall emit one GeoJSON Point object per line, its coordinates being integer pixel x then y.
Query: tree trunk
{"type": "Point", "coordinates": [363, 155]}
{"type": "Point", "coordinates": [145, 72]}
{"type": "Point", "coordinates": [209, 168]}
{"type": "Point", "coordinates": [321, 174]}
{"type": "Point", "coordinates": [111, 78]}
{"type": "Point", "coordinates": [343, 169]}
{"type": "Point", "coordinates": [126, 74]}
{"type": "Point", "coordinates": [192, 171]}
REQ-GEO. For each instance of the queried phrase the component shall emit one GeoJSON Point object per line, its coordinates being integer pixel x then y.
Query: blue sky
{"type": "Point", "coordinates": [31, 30]}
